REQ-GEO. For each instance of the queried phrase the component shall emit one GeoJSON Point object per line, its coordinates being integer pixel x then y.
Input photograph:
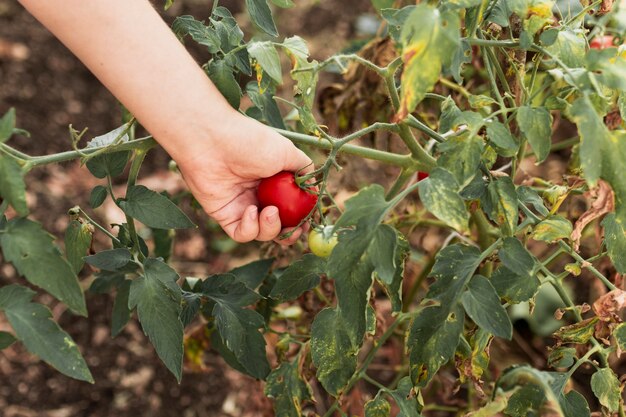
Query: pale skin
{"type": "Point", "coordinates": [221, 153]}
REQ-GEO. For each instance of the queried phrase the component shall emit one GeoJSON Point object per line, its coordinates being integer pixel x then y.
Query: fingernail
{"type": "Point", "coordinates": [272, 216]}
{"type": "Point", "coordinates": [253, 214]}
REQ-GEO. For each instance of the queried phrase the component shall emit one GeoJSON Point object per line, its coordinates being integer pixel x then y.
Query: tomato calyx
{"type": "Point", "coordinates": [295, 204]}
{"type": "Point", "coordinates": [322, 241]}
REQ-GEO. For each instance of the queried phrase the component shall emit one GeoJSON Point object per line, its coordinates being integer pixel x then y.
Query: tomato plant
{"type": "Point", "coordinates": [417, 308]}
{"type": "Point", "coordinates": [322, 241]}
{"type": "Point", "coordinates": [294, 203]}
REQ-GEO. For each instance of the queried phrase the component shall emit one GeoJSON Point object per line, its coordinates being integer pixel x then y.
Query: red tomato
{"type": "Point", "coordinates": [293, 203]}
{"type": "Point", "coordinates": [601, 42]}
{"type": "Point", "coordinates": [421, 175]}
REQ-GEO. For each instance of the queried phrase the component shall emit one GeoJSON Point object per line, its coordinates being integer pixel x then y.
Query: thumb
{"type": "Point", "coordinates": [295, 160]}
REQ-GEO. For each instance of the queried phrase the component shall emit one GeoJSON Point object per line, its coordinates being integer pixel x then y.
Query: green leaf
{"type": "Point", "coordinates": [6, 340]}
{"type": "Point", "coordinates": [492, 408]}
{"type": "Point", "coordinates": [615, 240]}
{"type": "Point", "coordinates": [406, 399]}
{"type": "Point", "coordinates": [77, 243]}
{"type": "Point", "coordinates": [516, 257]}
{"type": "Point", "coordinates": [261, 15]}
{"type": "Point", "coordinates": [570, 48]}
{"type": "Point", "coordinates": [394, 288]}
{"type": "Point", "coordinates": [574, 404]}
{"type": "Point", "coordinates": [285, 4]}
{"type": "Point", "coordinates": [602, 152]}
{"type": "Point", "coordinates": [482, 304]}
{"type": "Point", "coordinates": [157, 298]}
{"type": "Point", "coordinates": [97, 197]}
{"type": "Point", "coordinates": [579, 333]}
{"type": "Point", "coordinates": [110, 260]}
{"type": "Point", "coordinates": [163, 243]}
{"type": "Point", "coordinates": [288, 389]}
{"type": "Point", "coordinates": [501, 205]}
{"type": "Point", "coordinates": [526, 399]}
{"type": "Point", "coordinates": [434, 332]}
{"type": "Point", "coordinates": [460, 155]}
{"type": "Point", "coordinates": [332, 350]}
{"type": "Point", "coordinates": [33, 326]}
{"type": "Point", "coordinates": [238, 326]}
{"type": "Point", "coordinates": [513, 287]}
{"type": "Point", "coordinates": [168, 4]}
{"type": "Point", "coordinates": [121, 312]}
{"type": "Point", "coordinates": [199, 32]}
{"type": "Point", "coordinates": [266, 55]}
{"type": "Point", "coordinates": [222, 76]}
{"type": "Point", "coordinates": [301, 276]}
{"type": "Point", "coordinates": [609, 67]}
{"type": "Point", "coordinates": [433, 336]}
{"type": "Point", "coordinates": [395, 20]}
{"type": "Point", "coordinates": [110, 164]}
{"type": "Point", "coordinates": [382, 253]}
{"type": "Point", "coordinates": [266, 104]}
{"type": "Point", "coordinates": [12, 187]}
{"type": "Point", "coordinates": [620, 336]}
{"type": "Point", "coordinates": [553, 228]}
{"type": "Point", "coordinates": [440, 195]}
{"type": "Point", "coordinates": [501, 139]}
{"type": "Point", "coordinates": [105, 281]}
{"type": "Point", "coordinates": [7, 125]}
{"type": "Point", "coordinates": [377, 407]}
{"type": "Point", "coordinates": [429, 40]}
{"type": "Point", "coordinates": [529, 196]}
{"type": "Point", "coordinates": [254, 273]}
{"type": "Point", "coordinates": [562, 357]}
{"type": "Point", "coordinates": [28, 247]}
{"type": "Point", "coordinates": [536, 125]}
{"type": "Point", "coordinates": [153, 209]}
{"type": "Point", "coordinates": [606, 387]}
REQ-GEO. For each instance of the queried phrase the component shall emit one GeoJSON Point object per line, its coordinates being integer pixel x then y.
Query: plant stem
{"type": "Point", "coordinates": [587, 265]}
{"type": "Point", "coordinates": [98, 226]}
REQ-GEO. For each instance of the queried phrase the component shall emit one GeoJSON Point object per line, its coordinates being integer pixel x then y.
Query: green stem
{"type": "Point", "coordinates": [417, 124]}
{"type": "Point", "coordinates": [98, 226]}
{"type": "Point", "coordinates": [587, 265]}
{"type": "Point", "coordinates": [140, 155]}
{"type": "Point", "coordinates": [404, 176]}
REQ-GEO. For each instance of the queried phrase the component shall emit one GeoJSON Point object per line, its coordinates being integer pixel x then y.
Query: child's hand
{"type": "Point", "coordinates": [224, 168]}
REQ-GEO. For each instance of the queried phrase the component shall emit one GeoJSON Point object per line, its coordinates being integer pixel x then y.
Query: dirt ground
{"type": "Point", "coordinates": [51, 89]}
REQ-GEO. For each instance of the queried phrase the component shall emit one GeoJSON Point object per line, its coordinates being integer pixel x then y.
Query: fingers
{"type": "Point", "coordinates": [264, 226]}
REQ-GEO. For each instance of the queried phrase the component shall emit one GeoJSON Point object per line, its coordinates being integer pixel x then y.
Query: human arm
{"type": "Point", "coordinates": [221, 153]}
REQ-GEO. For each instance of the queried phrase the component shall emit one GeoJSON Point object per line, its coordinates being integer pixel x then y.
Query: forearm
{"type": "Point", "coordinates": [136, 56]}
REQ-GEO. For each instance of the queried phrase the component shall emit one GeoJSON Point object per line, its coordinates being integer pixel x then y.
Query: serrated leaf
{"type": "Point", "coordinates": [460, 155]}
{"type": "Point", "coordinates": [27, 246]}
{"type": "Point", "coordinates": [199, 32]}
{"type": "Point", "coordinates": [301, 276]}
{"type": "Point", "coordinates": [237, 326]}
{"type": "Point", "coordinates": [77, 243]}
{"type": "Point", "coordinates": [569, 47]}
{"type": "Point", "coordinates": [529, 196]}
{"type": "Point", "coordinates": [429, 40]}
{"type": "Point", "coordinates": [121, 314]}
{"type": "Point", "coordinates": [536, 125]}
{"type": "Point", "coordinates": [110, 164]}
{"type": "Point", "coordinates": [254, 273]}
{"type": "Point", "coordinates": [482, 304]}
{"type": "Point", "coordinates": [440, 194]}
{"type": "Point", "coordinates": [433, 336]}
{"type": "Point", "coordinates": [12, 187]}
{"type": "Point", "coordinates": [97, 197]}
{"type": "Point", "coordinates": [6, 340]}
{"type": "Point", "coordinates": [157, 298]}
{"type": "Point", "coordinates": [501, 139]}
{"type": "Point", "coordinates": [261, 15]}
{"type": "Point", "coordinates": [110, 260]}
{"type": "Point", "coordinates": [606, 387]}
{"type": "Point", "coordinates": [288, 390]}
{"type": "Point", "coordinates": [552, 228]}
{"type": "Point", "coordinates": [602, 152]}
{"type": "Point", "coordinates": [513, 287]}
{"type": "Point", "coordinates": [501, 204]}
{"type": "Point", "coordinates": [33, 326]}
{"type": "Point", "coordinates": [377, 407]}
{"type": "Point", "coordinates": [615, 240]}
{"type": "Point", "coordinates": [405, 398]}
{"type": "Point", "coordinates": [7, 125]}
{"type": "Point", "coordinates": [516, 257]}
{"type": "Point", "coordinates": [222, 76]}
{"type": "Point", "coordinates": [382, 253]}
{"type": "Point", "coordinates": [266, 104]}
{"type": "Point", "coordinates": [154, 209]}
{"type": "Point", "coordinates": [266, 55]}
{"type": "Point", "coordinates": [332, 350]}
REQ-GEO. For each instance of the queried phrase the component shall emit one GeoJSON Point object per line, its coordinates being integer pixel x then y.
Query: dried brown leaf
{"type": "Point", "coordinates": [603, 202]}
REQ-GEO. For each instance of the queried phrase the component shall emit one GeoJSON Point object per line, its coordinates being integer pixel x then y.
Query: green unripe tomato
{"type": "Point", "coordinates": [322, 241]}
